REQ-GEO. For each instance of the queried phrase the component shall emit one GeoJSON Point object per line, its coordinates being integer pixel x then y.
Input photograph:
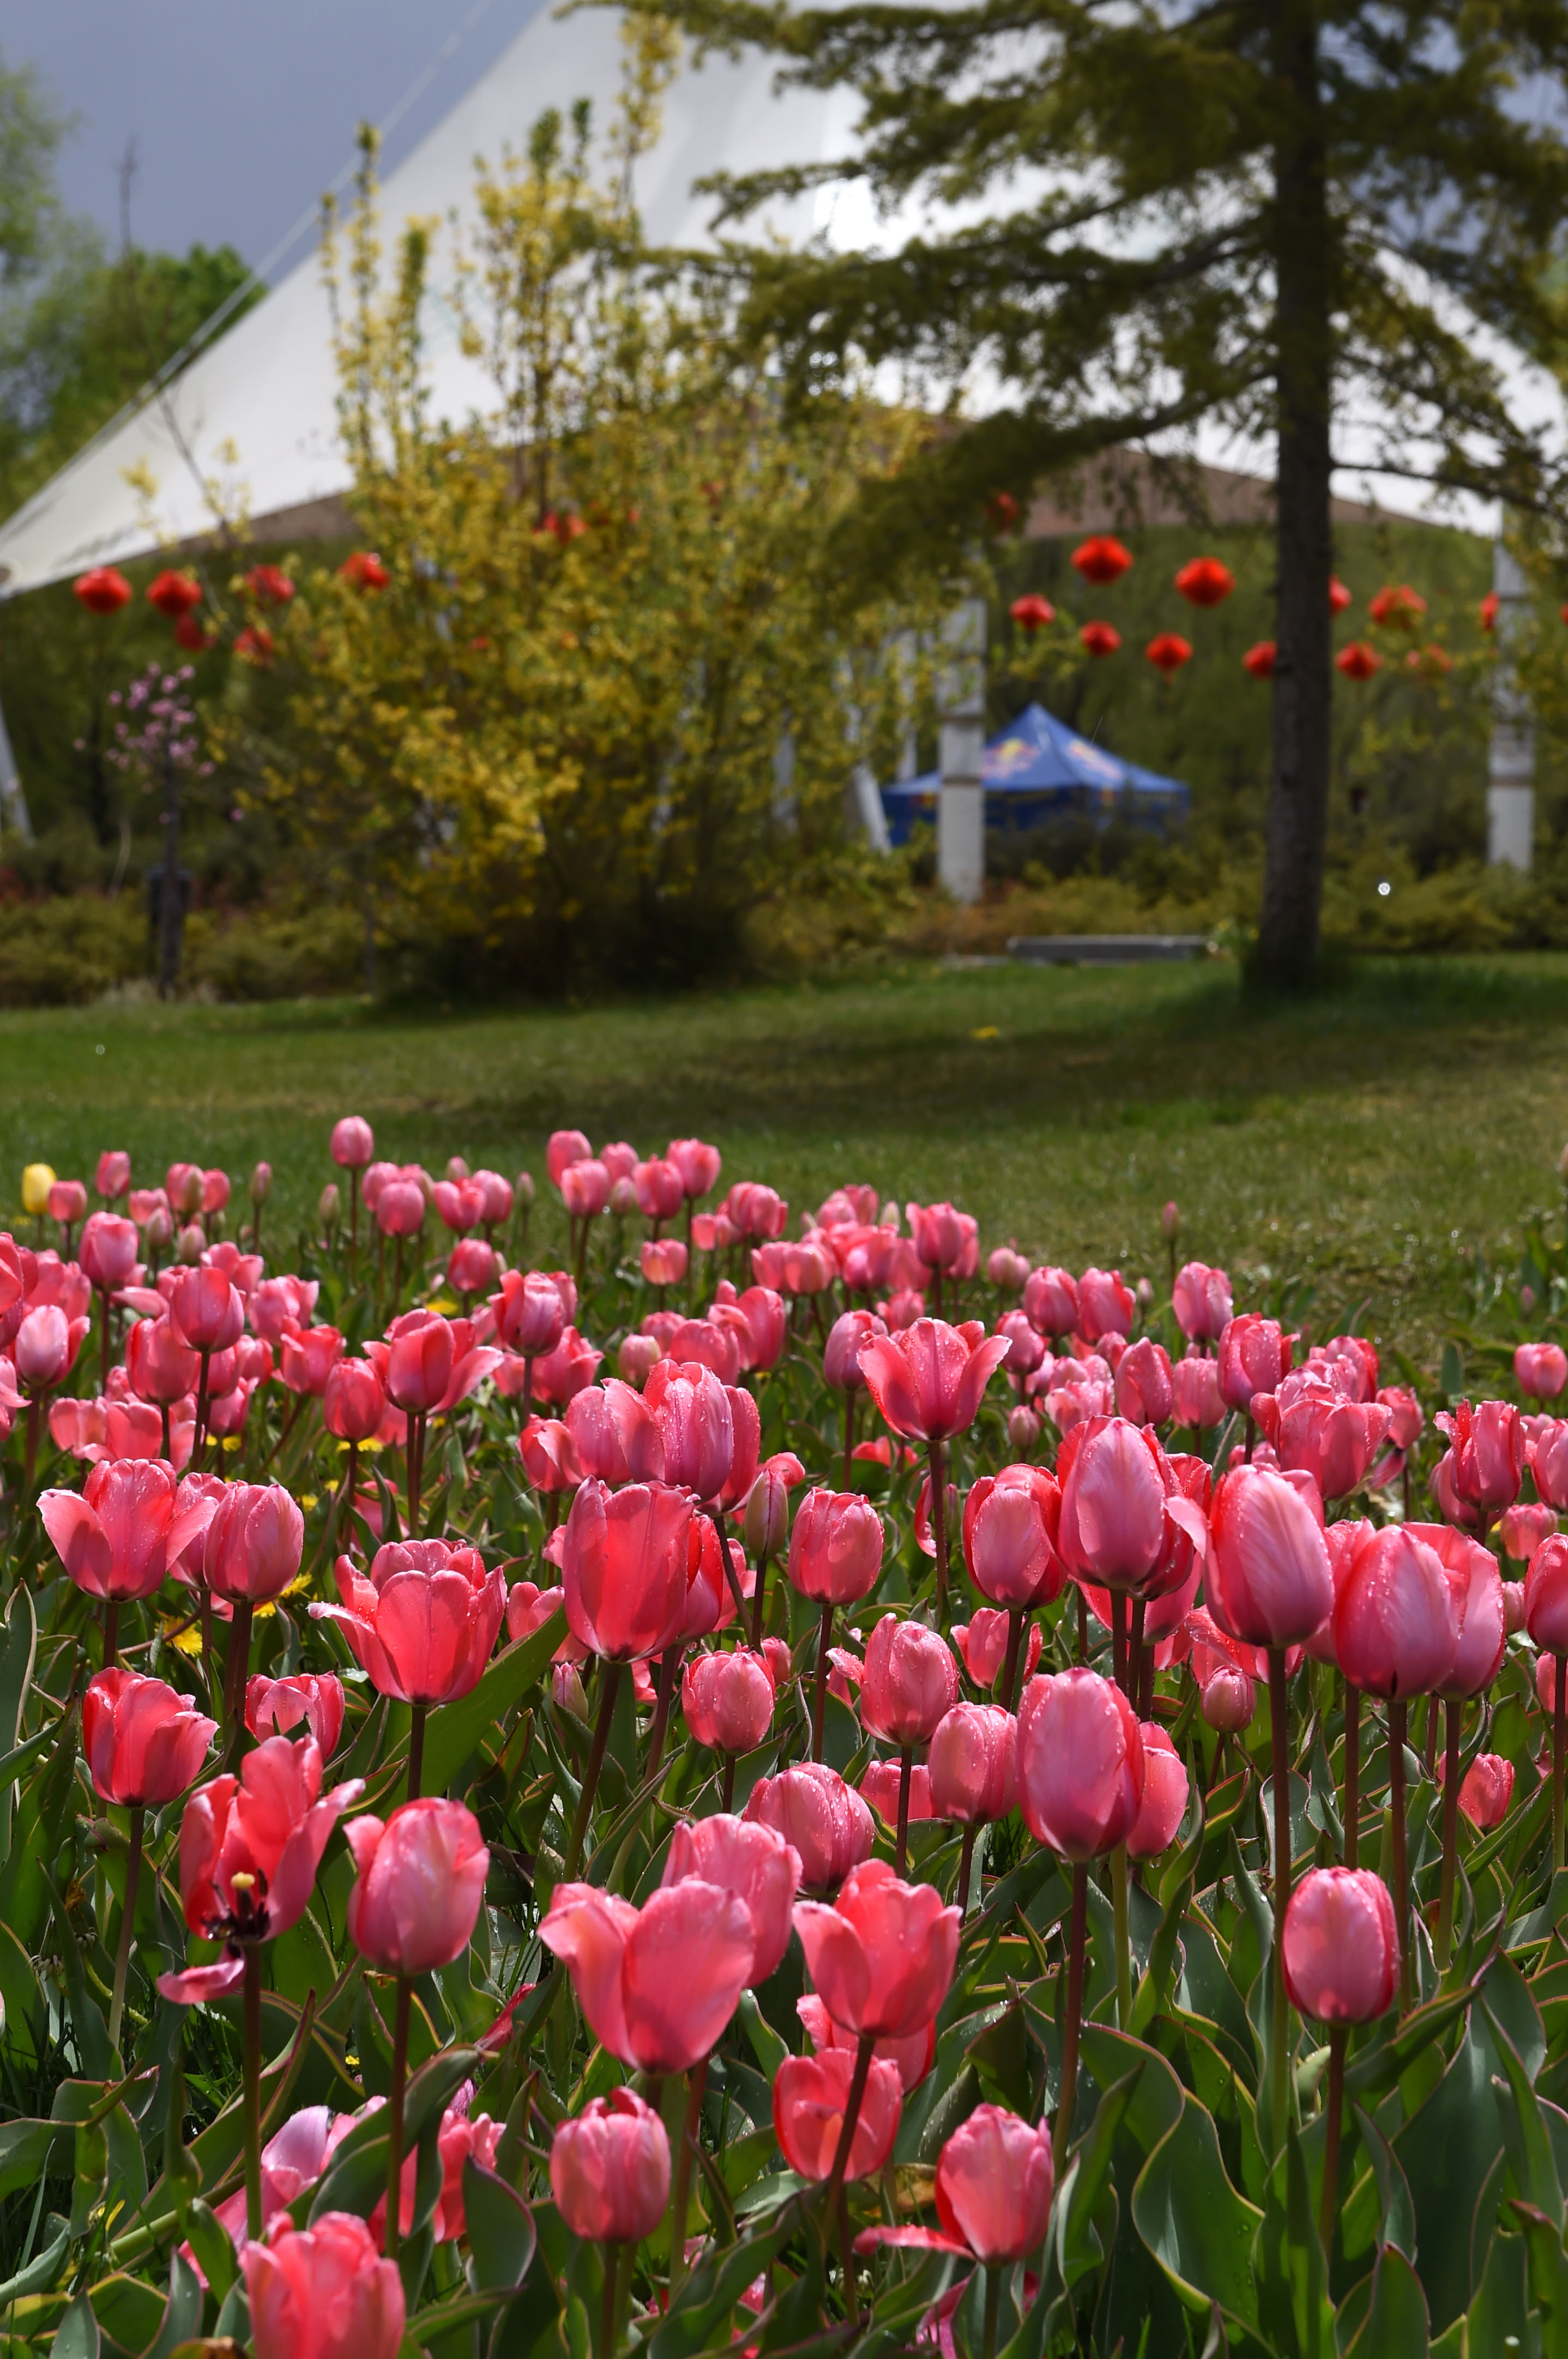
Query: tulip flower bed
{"type": "Point", "coordinates": [791, 1783]}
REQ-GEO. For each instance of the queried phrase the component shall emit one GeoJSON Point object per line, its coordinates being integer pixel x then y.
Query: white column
{"type": "Point", "coordinates": [14, 813]}
{"type": "Point", "coordinates": [961, 799]}
{"type": "Point", "coordinates": [1510, 762]}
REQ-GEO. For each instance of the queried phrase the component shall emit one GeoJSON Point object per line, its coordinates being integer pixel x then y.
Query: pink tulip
{"type": "Point", "coordinates": [749, 1860]}
{"type": "Point", "coordinates": [1539, 1369]}
{"type": "Point", "coordinates": [1106, 1307]}
{"type": "Point", "coordinates": [1487, 1452]}
{"type": "Point", "coordinates": [928, 1381]}
{"type": "Point", "coordinates": [1513, 1606]}
{"type": "Point", "coordinates": [1546, 1595]}
{"type": "Point", "coordinates": [824, 1821]}
{"type": "Point", "coordinates": [1164, 1803]}
{"type": "Point", "coordinates": [209, 1314]}
{"type": "Point", "coordinates": [307, 1360]}
{"type": "Point", "coordinates": [994, 2184]}
{"type": "Point", "coordinates": [656, 1986]}
{"type": "Point", "coordinates": [1268, 1580]}
{"type": "Point", "coordinates": [108, 1252]}
{"type": "Point", "coordinates": [663, 1261]}
{"type": "Point", "coordinates": [881, 1790]}
{"type": "Point", "coordinates": [1051, 1302]}
{"type": "Point", "coordinates": [274, 1706]}
{"type": "Point", "coordinates": [765, 1523]}
{"type": "Point", "coordinates": [1010, 1529]}
{"type": "Point", "coordinates": [113, 1173]}
{"type": "Point", "coordinates": [1254, 1357]}
{"type": "Point", "coordinates": [836, 1548]}
{"type": "Point", "coordinates": [698, 1165]}
{"type": "Point", "coordinates": [323, 2292]}
{"type": "Point", "coordinates": [1523, 1527]}
{"type": "Point", "coordinates": [982, 1643]}
{"type": "Point", "coordinates": [697, 1425]}
{"type": "Point", "coordinates": [660, 1189]}
{"type": "Point", "coordinates": [1476, 1609]}
{"type": "Point", "coordinates": [841, 1353]}
{"type": "Point", "coordinates": [420, 1885]}
{"type": "Point", "coordinates": [45, 1347]}
{"type": "Point", "coordinates": [1143, 1383]}
{"type": "Point", "coordinates": [143, 1744]}
{"type": "Point", "coordinates": [1488, 1791]}
{"type": "Point", "coordinates": [1195, 1397]}
{"type": "Point", "coordinates": [1113, 1527]}
{"type": "Point", "coordinates": [563, 1148]}
{"type": "Point", "coordinates": [1007, 1269]}
{"type": "Point", "coordinates": [1341, 1946]}
{"type": "Point", "coordinates": [1312, 1428]}
{"type": "Point", "coordinates": [422, 1622]}
{"type": "Point", "coordinates": [550, 1461]}
{"type": "Point", "coordinates": [585, 1188]}
{"type": "Point", "coordinates": [112, 1539]}
{"type": "Point", "coordinates": [1080, 1764]}
{"type": "Point", "coordinates": [1548, 1454]}
{"type": "Point", "coordinates": [1201, 1298]}
{"type": "Point", "coordinates": [974, 1764]}
{"type": "Point", "coordinates": [625, 1567]}
{"type": "Point", "coordinates": [881, 1957]}
{"type": "Point", "coordinates": [811, 2097]}
{"type": "Point", "coordinates": [728, 1699]}
{"type": "Point", "coordinates": [161, 1366]}
{"type": "Point", "coordinates": [911, 1681]}
{"type": "Point", "coordinates": [610, 2169]}
{"type": "Point", "coordinates": [353, 1401]}
{"type": "Point", "coordinates": [1408, 1417]}
{"type": "Point", "coordinates": [254, 1544]}
{"type": "Point", "coordinates": [615, 1434]}
{"type": "Point", "coordinates": [471, 1267]}
{"type": "Point", "coordinates": [353, 1143]}
{"type": "Point", "coordinates": [1227, 1699]}
{"type": "Point", "coordinates": [529, 1312]}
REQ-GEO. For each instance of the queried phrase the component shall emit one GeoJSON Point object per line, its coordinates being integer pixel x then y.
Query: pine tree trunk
{"type": "Point", "coordinates": [1298, 785]}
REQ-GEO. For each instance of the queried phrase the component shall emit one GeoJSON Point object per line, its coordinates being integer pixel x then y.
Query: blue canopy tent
{"type": "Point", "coordinates": [1038, 769]}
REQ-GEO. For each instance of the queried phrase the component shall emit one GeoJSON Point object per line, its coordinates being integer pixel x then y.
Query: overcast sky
{"type": "Point", "coordinates": [241, 114]}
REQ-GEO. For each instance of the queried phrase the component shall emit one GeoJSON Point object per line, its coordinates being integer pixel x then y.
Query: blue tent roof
{"type": "Point", "coordinates": [1037, 767]}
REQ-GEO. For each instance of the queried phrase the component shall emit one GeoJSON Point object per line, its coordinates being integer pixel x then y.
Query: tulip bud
{"type": "Point", "coordinates": [353, 1143]}
{"type": "Point", "coordinates": [37, 1182]}
{"type": "Point", "coordinates": [420, 1884]}
{"type": "Point", "coordinates": [328, 1207]}
{"type": "Point", "coordinates": [1170, 1218]}
{"type": "Point", "coordinates": [261, 1183]}
{"type": "Point", "coordinates": [157, 1229]}
{"type": "Point", "coordinates": [1022, 1430]}
{"type": "Point", "coordinates": [1145, 1292]}
{"type": "Point", "coordinates": [191, 1246]}
{"type": "Point", "coordinates": [1341, 1946]}
{"type": "Point", "coordinates": [610, 2169]}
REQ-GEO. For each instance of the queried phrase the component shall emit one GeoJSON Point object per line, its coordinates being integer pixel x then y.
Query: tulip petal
{"type": "Point", "coordinates": [198, 1984]}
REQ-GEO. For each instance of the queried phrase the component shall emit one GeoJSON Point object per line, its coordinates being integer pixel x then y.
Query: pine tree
{"type": "Point", "coordinates": [1271, 213]}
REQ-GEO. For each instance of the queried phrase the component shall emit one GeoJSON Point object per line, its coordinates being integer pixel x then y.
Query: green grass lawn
{"type": "Point", "coordinates": [1361, 1139]}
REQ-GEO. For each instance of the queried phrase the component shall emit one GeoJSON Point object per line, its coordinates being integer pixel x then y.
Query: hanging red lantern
{"type": "Point", "coordinates": [1431, 662]}
{"type": "Point", "coordinates": [1489, 606]}
{"type": "Point", "coordinates": [253, 645]}
{"type": "Point", "coordinates": [103, 590]}
{"type": "Point", "coordinates": [1003, 510]}
{"type": "Point", "coordinates": [1101, 560]}
{"type": "Point", "coordinates": [1169, 652]}
{"type": "Point", "coordinates": [175, 595]}
{"type": "Point", "coordinates": [1260, 660]}
{"type": "Point", "coordinates": [1359, 661]}
{"type": "Point", "coordinates": [1031, 613]}
{"type": "Point", "coordinates": [1206, 582]}
{"type": "Point", "coordinates": [270, 584]}
{"type": "Point", "coordinates": [1338, 596]}
{"type": "Point", "coordinates": [364, 569]}
{"type": "Point", "coordinates": [189, 634]}
{"type": "Point", "coordinates": [1099, 638]}
{"type": "Point", "coordinates": [1397, 607]}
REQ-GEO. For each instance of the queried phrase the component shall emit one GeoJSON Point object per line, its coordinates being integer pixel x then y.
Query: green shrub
{"type": "Point", "coordinates": [65, 951]}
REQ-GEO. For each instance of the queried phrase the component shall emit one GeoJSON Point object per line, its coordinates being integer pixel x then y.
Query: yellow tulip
{"type": "Point", "coordinates": [37, 1182]}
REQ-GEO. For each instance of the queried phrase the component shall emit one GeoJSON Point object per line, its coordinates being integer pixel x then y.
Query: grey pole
{"type": "Point", "coordinates": [961, 801]}
{"type": "Point", "coordinates": [1510, 762]}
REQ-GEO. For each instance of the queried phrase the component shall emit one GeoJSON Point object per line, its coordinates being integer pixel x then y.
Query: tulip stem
{"type": "Point", "coordinates": [848, 1432]}
{"type": "Point", "coordinates": [864, 2051]}
{"type": "Point", "coordinates": [695, 2083]}
{"type": "Point", "coordinates": [1123, 1947]}
{"type": "Point", "coordinates": [254, 2223]}
{"type": "Point", "coordinates": [610, 1681]}
{"type": "Point", "coordinates": [607, 2311]}
{"type": "Point", "coordinates": [104, 1336]}
{"type": "Point", "coordinates": [819, 1700]}
{"type": "Point", "coordinates": [1135, 1662]}
{"type": "Point", "coordinates": [1017, 1623]}
{"type": "Point", "coordinates": [966, 1861]}
{"type": "Point", "coordinates": [1083, 1627]}
{"type": "Point", "coordinates": [1279, 1717]}
{"type": "Point", "coordinates": [1559, 1734]}
{"type": "Point", "coordinates": [1401, 1872]}
{"type": "Point", "coordinates": [757, 1597]}
{"type": "Point", "coordinates": [34, 1412]}
{"type": "Point", "coordinates": [728, 1788]}
{"type": "Point", "coordinates": [905, 1773]}
{"type": "Point", "coordinates": [394, 2117]}
{"type": "Point", "coordinates": [727, 1563]}
{"type": "Point", "coordinates": [1063, 2131]}
{"type": "Point", "coordinates": [415, 1469]}
{"type": "Point", "coordinates": [239, 1665]}
{"type": "Point", "coordinates": [1119, 1640]}
{"type": "Point", "coordinates": [1455, 1712]}
{"type": "Point", "coordinates": [199, 1440]}
{"type": "Point", "coordinates": [1352, 1774]}
{"type": "Point", "coordinates": [127, 1920]}
{"type": "Point", "coordinates": [939, 1526]}
{"type": "Point", "coordinates": [1329, 2204]}
{"type": "Point", "coordinates": [112, 1637]}
{"type": "Point", "coordinates": [353, 1225]}
{"type": "Point", "coordinates": [669, 1666]}
{"type": "Point", "coordinates": [851, 2290]}
{"type": "Point", "coordinates": [993, 2311]}
{"type": "Point", "coordinates": [416, 1748]}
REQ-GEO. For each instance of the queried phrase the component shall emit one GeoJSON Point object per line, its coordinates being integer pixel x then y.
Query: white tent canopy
{"type": "Point", "coordinates": [256, 411]}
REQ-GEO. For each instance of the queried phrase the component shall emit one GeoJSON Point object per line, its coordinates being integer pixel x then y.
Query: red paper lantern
{"type": "Point", "coordinates": [1489, 606]}
{"type": "Point", "coordinates": [1101, 560]}
{"type": "Point", "coordinates": [175, 595]}
{"type": "Point", "coordinates": [1169, 652]}
{"type": "Point", "coordinates": [1260, 660]}
{"type": "Point", "coordinates": [1099, 638]}
{"type": "Point", "coordinates": [253, 645]}
{"type": "Point", "coordinates": [1206, 582]}
{"type": "Point", "coordinates": [271, 584]}
{"type": "Point", "coordinates": [1338, 596]}
{"type": "Point", "coordinates": [1432, 661]}
{"type": "Point", "coordinates": [1031, 613]}
{"type": "Point", "coordinates": [364, 570]}
{"type": "Point", "coordinates": [1359, 661]}
{"type": "Point", "coordinates": [1003, 510]}
{"type": "Point", "coordinates": [189, 634]}
{"type": "Point", "coordinates": [103, 590]}
{"type": "Point", "coordinates": [1397, 607]}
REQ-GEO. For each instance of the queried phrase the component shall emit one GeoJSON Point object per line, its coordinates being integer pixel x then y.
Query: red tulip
{"type": "Point", "coordinates": [249, 1850]}
{"type": "Point", "coordinates": [656, 1986]}
{"type": "Point", "coordinates": [1080, 1764]}
{"type": "Point", "coordinates": [1539, 1369]}
{"type": "Point", "coordinates": [364, 571]}
{"type": "Point", "coordinates": [1011, 1526]}
{"type": "Point", "coordinates": [881, 1957]}
{"type": "Point", "coordinates": [928, 1381]}
{"type": "Point", "coordinates": [307, 1360]}
{"type": "Point", "coordinates": [836, 1548]}
{"type": "Point", "coordinates": [1341, 1946]}
{"type": "Point", "coordinates": [625, 1567]}
{"type": "Point", "coordinates": [161, 1367]}
{"type": "Point", "coordinates": [109, 1250]}
{"type": "Point", "coordinates": [274, 1706]}
{"type": "Point", "coordinates": [824, 1819]}
{"type": "Point", "coordinates": [994, 2184]}
{"type": "Point", "coordinates": [1164, 1803]}
{"type": "Point", "coordinates": [271, 584]}
{"type": "Point", "coordinates": [1254, 1357]}
{"type": "Point", "coordinates": [750, 1860]}
{"type": "Point", "coordinates": [353, 1143]}
{"type": "Point", "coordinates": [615, 1434]}
{"type": "Point", "coordinates": [982, 1643]}
{"type": "Point", "coordinates": [143, 1744]}
{"type": "Point", "coordinates": [174, 594]}
{"type": "Point", "coordinates": [811, 2096]}
{"type": "Point", "coordinates": [1267, 1580]}
{"type": "Point", "coordinates": [911, 1681]}
{"type": "Point", "coordinates": [697, 1425]}
{"type": "Point", "coordinates": [974, 1764]}
{"type": "Point", "coordinates": [422, 1622]}
{"type": "Point", "coordinates": [1487, 1789]}
{"type": "Point", "coordinates": [1051, 1302]}
{"type": "Point", "coordinates": [208, 1312]}
{"type": "Point", "coordinates": [1487, 1452]}
{"type": "Point", "coordinates": [254, 1544]}
{"type": "Point", "coordinates": [610, 2169]}
{"type": "Point", "coordinates": [113, 1538]}
{"type": "Point", "coordinates": [420, 1885]}
{"type": "Point", "coordinates": [1113, 1526]}
{"type": "Point", "coordinates": [728, 1699]}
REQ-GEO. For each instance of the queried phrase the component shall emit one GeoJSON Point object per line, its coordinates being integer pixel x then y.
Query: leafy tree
{"type": "Point", "coordinates": [1271, 213]}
